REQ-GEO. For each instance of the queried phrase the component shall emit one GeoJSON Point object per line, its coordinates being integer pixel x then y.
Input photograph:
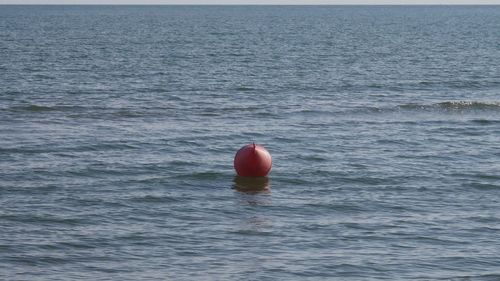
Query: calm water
{"type": "Point", "coordinates": [118, 127]}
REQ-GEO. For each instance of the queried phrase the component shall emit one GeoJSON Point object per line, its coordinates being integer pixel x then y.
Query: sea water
{"type": "Point", "coordinates": [119, 124]}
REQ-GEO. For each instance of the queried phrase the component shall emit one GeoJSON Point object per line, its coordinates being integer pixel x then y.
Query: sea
{"type": "Point", "coordinates": [119, 126]}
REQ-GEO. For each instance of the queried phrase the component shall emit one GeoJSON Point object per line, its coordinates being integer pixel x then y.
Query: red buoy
{"type": "Point", "coordinates": [252, 160]}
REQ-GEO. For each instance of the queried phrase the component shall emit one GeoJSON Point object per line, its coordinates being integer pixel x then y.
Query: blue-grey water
{"type": "Point", "coordinates": [118, 128]}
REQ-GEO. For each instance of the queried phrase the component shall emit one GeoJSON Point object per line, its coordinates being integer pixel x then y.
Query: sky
{"type": "Point", "coordinates": [276, 2]}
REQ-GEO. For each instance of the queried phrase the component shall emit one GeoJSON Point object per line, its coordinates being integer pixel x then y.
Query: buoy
{"type": "Point", "coordinates": [252, 160]}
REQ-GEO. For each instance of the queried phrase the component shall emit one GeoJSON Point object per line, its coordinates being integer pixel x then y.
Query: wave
{"type": "Point", "coordinates": [244, 89]}
{"type": "Point", "coordinates": [201, 175]}
{"type": "Point", "coordinates": [454, 106]}
{"type": "Point", "coordinates": [42, 219]}
{"type": "Point", "coordinates": [154, 199]}
{"type": "Point", "coordinates": [39, 108]}
{"type": "Point", "coordinates": [94, 112]}
{"type": "Point", "coordinates": [459, 106]}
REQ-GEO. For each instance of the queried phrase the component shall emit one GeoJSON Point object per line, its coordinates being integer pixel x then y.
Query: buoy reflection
{"type": "Point", "coordinates": [252, 184]}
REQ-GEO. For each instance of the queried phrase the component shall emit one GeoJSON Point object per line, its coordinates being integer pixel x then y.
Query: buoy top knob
{"type": "Point", "coordinates": [252, 160]}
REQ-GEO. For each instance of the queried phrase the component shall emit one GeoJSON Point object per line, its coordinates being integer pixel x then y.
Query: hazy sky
{"type": "Point", "coordinates": [333, 2]}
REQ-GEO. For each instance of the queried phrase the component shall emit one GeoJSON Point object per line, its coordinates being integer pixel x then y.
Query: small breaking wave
{"type": "Point", "coordinates": [454, 106]}
{"type": "Point", "coordinates": [451, 107]}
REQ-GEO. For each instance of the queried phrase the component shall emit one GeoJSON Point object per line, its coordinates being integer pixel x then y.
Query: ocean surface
{"type": "Point", "coordinates": [119, 124]}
